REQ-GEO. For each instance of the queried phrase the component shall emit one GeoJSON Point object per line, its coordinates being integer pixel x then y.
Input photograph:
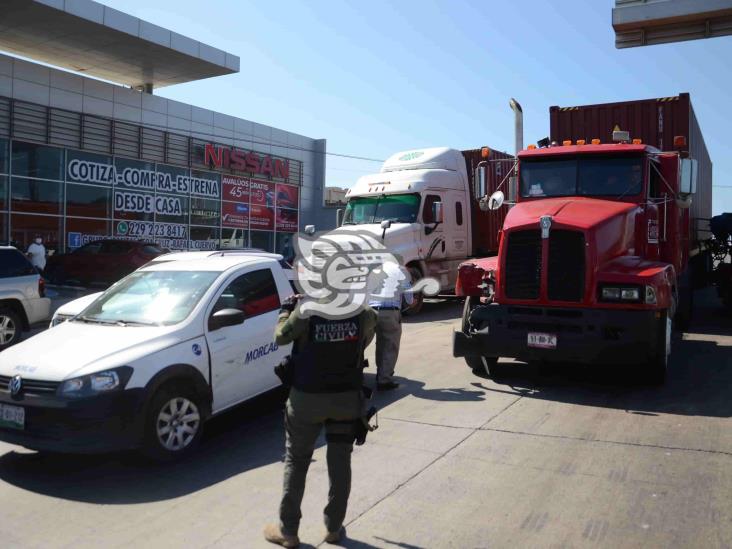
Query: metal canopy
{"type": "Point", "coordinates": [647, 22]}
{"type": "Point", "coordinates": [88, 37]}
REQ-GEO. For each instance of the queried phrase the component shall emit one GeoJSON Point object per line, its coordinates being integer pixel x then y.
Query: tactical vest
{"type": "Point", "coordinates": [331, 360]}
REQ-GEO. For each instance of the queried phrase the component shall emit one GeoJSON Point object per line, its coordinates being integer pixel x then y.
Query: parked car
{"type": "Point", "coordinates": [149, 360]}
{"type": "Point", "coordinates": [23, 298]}
{"type": "Point", "coordinates": [101, 261]}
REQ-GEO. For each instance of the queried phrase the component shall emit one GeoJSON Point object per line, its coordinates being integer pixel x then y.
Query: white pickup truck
{"type": "Point", "coordinates": [148, 361]}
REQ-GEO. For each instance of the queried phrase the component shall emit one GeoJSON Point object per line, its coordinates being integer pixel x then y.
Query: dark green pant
{"type": "Point", "coordinates": [305, 416]}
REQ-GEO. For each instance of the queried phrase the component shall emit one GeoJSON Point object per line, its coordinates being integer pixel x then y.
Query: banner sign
{"type": "Point", "coordinates": [287, 196]}
{"type": "Point", "coordinates": [261, 217]}
{"type": "Point", "coordinates": [147, 229]}
{"type": "Point", "coordinates": [86, 171]}
{"type": "Point", "coordinates": [235, 188]}
{"type": "Point", "coordinates": [286, 220]}
{"type": "Point", "coordinates": [235, 215]}
{"type": "Point", "coordinates": [262, 192]}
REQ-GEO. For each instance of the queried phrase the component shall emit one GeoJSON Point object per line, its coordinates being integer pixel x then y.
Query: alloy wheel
{"type": "Point", "coordinates": [177, 424]}
{"type": "Point", "coordinates": [7, 329]}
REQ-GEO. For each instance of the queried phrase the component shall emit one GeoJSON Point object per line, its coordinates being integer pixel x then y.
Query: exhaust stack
{"type": "Point", "coordinates": [519, 143]}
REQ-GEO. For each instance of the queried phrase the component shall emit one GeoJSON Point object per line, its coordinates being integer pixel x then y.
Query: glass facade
{"type": "Point", "coordinates": [72, 197]}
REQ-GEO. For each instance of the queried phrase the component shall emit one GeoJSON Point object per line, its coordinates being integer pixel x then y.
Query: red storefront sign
{"type": "Point", "coordinates": [286, 220]}
{"type": "Point", "coordinates": [235, 159]}
{"type": "Point", "coordinates": [262, 192]}
{"type": "Point", "coordinates": [235, 188]}
{"type": "Point", "coordinates": [261, 217]}
{"type": "Point", "coordinates": [287, 196]}
{"type": "Point", "coordinates": [235, 214]}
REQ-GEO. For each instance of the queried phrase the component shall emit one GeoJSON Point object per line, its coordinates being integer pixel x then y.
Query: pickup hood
{"type": "Point", "coordinates": [579, 212]}
{"type": "Point", "coordinates": [76, 348]}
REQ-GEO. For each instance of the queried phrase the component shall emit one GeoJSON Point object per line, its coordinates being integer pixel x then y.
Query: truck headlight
{"type": "Point", "coordinates": [96, 383]}
{"type": "Point", "coordinates": [628, 294]}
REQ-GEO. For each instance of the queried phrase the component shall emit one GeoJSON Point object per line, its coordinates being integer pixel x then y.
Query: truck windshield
{"type": "Point", "coordinates": [590, 176]}
{"type": "Point", "coordinates": [399, 208]}
{"type": "Point", "coordinates": [154, 298]}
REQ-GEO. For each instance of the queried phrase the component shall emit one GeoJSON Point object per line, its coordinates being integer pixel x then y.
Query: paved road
{"type": "Point", "coordinates": [572, 457]}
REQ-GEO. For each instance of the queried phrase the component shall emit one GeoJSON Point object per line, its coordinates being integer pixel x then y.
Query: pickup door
{"type": "Point", "coordinates": [243, 356]}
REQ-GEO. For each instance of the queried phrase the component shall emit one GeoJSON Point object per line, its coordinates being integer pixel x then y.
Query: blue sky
{"type": "Point", "coordinates": [377, 77]}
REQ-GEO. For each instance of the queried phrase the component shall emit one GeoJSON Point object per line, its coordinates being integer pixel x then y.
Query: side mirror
{"type": "Point", "coordinates": [309, 230]}
{"type": "Point", "coordinates": [481, 190]}
{"type": "Point", "coordinates": [687, 184]}
{"type": "Point", "coordinates": [437, 213]}
{"type": "Point", "coordinates": [339, 217]}
{"type": "Point", "coordinates": [496, 200]}
{"type": "Point", "coordinates": [226, 317]}
{"type": "Point", "coordinates": [385, 225]}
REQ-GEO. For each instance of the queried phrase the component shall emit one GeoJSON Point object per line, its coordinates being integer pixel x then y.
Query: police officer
{"type": "Point", "coordinates": [326, 392]}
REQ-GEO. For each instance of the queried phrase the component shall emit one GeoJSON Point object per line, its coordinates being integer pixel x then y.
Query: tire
{"type": "Point", "coordinates": [481, 366]}
{"type": "Point", "coordinates": [173, 424]}
{"type": "Point", "coordinates": [657, 366]}
{"type": "Point", "coordinates": [11, 327]}
{"type": "Point", "coordinates": [415, 307]}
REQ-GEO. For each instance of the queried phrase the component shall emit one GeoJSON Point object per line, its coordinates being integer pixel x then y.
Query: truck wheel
{"type": "Point", "coordinates": [174, 423]}
{"type": "Point", "coordinates": [480, 365]}
{"type": "Point", "coordinates": [416, 306]}
{"type": "Point", "coordinates": [658, 364]}
{"type": "Point", "coordinates": [11, 327]}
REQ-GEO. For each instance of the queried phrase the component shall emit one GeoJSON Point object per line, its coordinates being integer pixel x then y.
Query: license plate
{"type": "Point", "coordinates": [12, 416]}
{"type": "Point", "coordinates": [542, 341]}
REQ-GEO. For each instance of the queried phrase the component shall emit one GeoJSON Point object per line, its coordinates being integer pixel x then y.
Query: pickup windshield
{"type": "Point", "coordinates": [154, 298]}
{"type": "Point", "coordinates": [399, 208]}
{"type": "Point", "coordinates": [590, 176]}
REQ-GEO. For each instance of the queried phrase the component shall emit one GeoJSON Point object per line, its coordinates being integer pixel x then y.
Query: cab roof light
{"type": "Point", "coordinates": [595, 141]}
{"type": "Point", "coordinates": [580, 142]}
{"type": "Point", "coordinates": [485, 152]}
{"type": "Point", "coordinates": [679, 141]}
{"type": "Point", "coordinates": [637, 141]}
{"type": "Point", "coordinates": [567, 142]}
{"type": "Point", "coordinates": [531, 147]}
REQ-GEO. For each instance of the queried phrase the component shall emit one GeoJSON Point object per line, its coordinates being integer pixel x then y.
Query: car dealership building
{"type": "Point", "coordinates": [82, 158]}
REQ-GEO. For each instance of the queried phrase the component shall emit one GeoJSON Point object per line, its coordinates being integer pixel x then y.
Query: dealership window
{"type": "Point", "coordinates": [177, 183]}
{"type": "Point", "coordinates": [286, 246]}
{"type": "Point", "coordinates": [88, 200]}
{"type": "Point", "coordinates": [3, 228]}
{"type": "Point", "coordinates": [40, 161]}
{"type": "Point", "coordinates": [24, 228]}
{"type": "Point", "coordinates": [80, 231]}
{"type": "Point", "coordinates": [3, 192]}
{"type": "Point", "coordinates": [263, 240]}
{"type": "Point", "coordinates": [36, 196]}
{"type": "Point", "coordinates": [133, 205]}
{"type": "Point", "coordinates": [205, 211]}
{"type": "Point", "coordinates": [178, 206]}
{"type": "Point", "coordinates": [135, 174]}
{"type": "Point", "coordinates": [3, 156]}
{"type": "Point", "coordinates": [253, 293]}
{"type": "Point", "coordinates": [234, 238]}
{"type": "Point", "coordinates": [204, 238]}
{"type": "Point", "coordinates": [86, 167]}
{"type": "Point", "coordinates": [206, 184]}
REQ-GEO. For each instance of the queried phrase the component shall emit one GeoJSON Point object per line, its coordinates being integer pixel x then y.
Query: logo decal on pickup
{"type": "Point", "coordinates": [259, 352]}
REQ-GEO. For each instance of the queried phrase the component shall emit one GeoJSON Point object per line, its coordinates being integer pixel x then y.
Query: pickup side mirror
{"type": "Point", "coordinates": [226, 317]}
{"type": "Point", "coordinates": [687, 183]}
{"type": "Point", "coordinates": [309, 230]}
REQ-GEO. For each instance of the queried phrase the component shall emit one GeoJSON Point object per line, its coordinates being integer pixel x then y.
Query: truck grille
{"type": "Point", "coordinates": [31, 386]}
{"type": "Point", "coordinates": [523, 265]}
{"type": "Point", "coordinates": [566, 266]}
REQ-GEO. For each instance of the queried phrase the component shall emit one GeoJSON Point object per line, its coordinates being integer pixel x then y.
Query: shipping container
{"type": "Point", "coordinates": [487, 224]}
{"type": "Point", "coordinates": [656, 122]}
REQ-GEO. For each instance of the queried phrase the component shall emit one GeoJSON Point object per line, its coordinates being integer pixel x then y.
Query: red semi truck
{"type": "Point", "coordinates": [598, 257]}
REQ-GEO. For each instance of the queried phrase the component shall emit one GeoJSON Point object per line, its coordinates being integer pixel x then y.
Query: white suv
{"type": "Point", "coordinates": [148, 361]}
{"type": "Point", "coordinates": [22, 296]}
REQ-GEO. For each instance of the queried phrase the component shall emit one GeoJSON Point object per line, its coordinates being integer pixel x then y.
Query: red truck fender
{"type": "Point", "coordinates": [473, 273]}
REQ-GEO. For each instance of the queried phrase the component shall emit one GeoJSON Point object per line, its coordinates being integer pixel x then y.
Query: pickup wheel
{"type": "Point", "coordinates": [657, 366]}
{"type": "Point", "coordinates": [11, 327]}
{"type": "Point", "coordinates": [481, 365]}
{"type": "Point", "coordinates": [174, 423]}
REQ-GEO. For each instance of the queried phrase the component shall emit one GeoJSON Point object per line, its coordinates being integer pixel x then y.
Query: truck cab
{"type": "Point", "coordinates": [592, 263]}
